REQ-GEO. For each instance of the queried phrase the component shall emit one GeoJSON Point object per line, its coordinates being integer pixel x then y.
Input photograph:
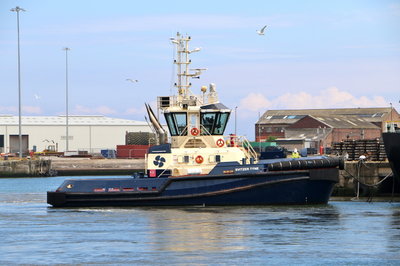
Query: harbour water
{"type": "Point", "coordinates": [340, 233]}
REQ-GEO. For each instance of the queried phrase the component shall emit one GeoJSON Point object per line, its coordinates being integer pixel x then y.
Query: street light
{"type": "Point", "coordinates": [235, 119]}
{"type": "Point", "coordinates": [18, 9]}
{"type": "Point", "coordinates": [66, 49]}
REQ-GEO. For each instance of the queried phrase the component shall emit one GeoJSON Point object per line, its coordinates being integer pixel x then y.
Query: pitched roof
{"type": "Point", "coordinates": [344, 121]}
{"type": "Point", "coordinates": [292, 116]}
{"type": "Point", "coordinates": [307, 133]}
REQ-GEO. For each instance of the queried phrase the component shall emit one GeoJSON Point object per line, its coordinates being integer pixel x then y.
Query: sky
{"type": "Point", "coordinates": [314, 54]}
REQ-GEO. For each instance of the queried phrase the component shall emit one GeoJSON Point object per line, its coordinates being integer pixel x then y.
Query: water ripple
{"type": "Point", "coordinates": [341, 233]}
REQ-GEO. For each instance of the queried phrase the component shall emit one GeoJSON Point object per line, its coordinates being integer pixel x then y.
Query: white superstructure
{"type": "Point", "coordinates": [196, 124]}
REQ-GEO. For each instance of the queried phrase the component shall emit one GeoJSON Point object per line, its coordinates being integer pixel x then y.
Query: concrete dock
{"type": "Point", "coordinates": [25, 168]}
{"type": "Point", "coordinates": [50, 166]}
{"type": "Point", "coordinates": [359, 178]}
{"type": "Point", "coordinates": [88, 166]}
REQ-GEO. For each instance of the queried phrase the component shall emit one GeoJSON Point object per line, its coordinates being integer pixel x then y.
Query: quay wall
{"type": "Point", "coordinates": [25, 168]}
{"type": "Point", "coordinates": [87, 166]}
{"type": "Point", "coordinates": [51, 166]}
{"type": "Point", "coordinates": [360, 178]}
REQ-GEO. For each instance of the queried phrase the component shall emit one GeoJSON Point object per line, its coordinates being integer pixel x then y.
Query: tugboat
{"type": "Point", "coordinates": [201, 166]}
{"type": "Point", "coordinates": [391, 139]}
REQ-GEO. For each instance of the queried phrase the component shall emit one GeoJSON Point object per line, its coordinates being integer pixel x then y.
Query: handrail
{"type": "Point", "coordinates": [205, 130]}
{"type": "Point", "coordinates": [245, 146]}
{"type": "Point", "coordinates": [184, 130]}
{"type": "Point", "coordinates": [180, 135]}
{"type": "Point", "coordinates": [206, 133]}
{"type": "Point", "coordinates": [250, 148]}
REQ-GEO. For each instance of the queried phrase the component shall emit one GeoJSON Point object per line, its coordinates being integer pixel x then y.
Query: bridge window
{"type": "Point", "coordinates": [213, 123]}
{"type": "Point", "coordinates": [177, 123]}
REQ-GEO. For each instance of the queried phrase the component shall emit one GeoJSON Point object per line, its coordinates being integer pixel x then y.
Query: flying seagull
{"type": "Point", "coordinates": [261, 32]}
{"type": "Point", "coordinates": [37, 97]}
{"type": "Point", "coordinates": [132, 80]}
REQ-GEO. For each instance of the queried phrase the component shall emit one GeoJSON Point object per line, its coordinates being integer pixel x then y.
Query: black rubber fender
{"type": "Point", "coordinates": [303, 164]}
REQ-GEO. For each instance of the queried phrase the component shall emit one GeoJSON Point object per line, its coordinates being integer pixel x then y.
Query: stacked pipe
{"type": "Point", "coordinates": [373, 149]}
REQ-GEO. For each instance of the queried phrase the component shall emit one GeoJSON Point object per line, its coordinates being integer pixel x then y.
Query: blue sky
{"type": "Point", "coordinates": [315, 54]}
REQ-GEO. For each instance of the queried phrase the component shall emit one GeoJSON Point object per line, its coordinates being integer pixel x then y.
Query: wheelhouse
{"type": "Point", "coordinates": [210, 119]}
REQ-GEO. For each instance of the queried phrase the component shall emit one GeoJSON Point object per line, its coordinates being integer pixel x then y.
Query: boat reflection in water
{"type": "Point", "coordinates": [201, 166]}
{"type": "Point", "coordinates": [198, 229]}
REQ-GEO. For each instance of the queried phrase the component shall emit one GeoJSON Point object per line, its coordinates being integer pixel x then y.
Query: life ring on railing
{"type": "Point", "coordinates": [220, 142]}
{"type": "Point", "coordinates": [199, 159]}
{"type": "Point", "coordinates": [195, 131]}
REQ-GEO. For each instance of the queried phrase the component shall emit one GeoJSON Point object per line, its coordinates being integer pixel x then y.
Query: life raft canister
{"type": "Point", "coordinates": [199, 159]}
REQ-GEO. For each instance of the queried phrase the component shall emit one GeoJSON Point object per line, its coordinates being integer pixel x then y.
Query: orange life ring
{"type": "Point", "coordinates": [199, 159]}
{"type": "Point", "coordinates": [220, 142]}
{"type": "Point", "coordinates": [195, 131]}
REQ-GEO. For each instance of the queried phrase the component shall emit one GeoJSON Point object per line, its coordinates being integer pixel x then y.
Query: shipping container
{"type": "Point", "coordinates": [132, 151]}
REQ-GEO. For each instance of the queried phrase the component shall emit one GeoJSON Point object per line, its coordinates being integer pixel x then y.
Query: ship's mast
{"type": "Point", "coordinates": [182, 62]}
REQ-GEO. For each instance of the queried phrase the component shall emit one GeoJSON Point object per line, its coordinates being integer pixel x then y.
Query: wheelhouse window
{"type": "Point", "coordinates": [213, 123]}
{"type": "Point", "coordinates": [177, 123]}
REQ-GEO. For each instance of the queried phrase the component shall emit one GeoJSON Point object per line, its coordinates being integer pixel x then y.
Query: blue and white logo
{"type": "Point", "coordinates": [159, 161]}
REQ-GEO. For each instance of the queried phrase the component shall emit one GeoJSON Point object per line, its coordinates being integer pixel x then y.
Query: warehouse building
{"type": "Point", "coordinates": [313, 128]}
{"type": "Point", "coordinates": [85, 133]}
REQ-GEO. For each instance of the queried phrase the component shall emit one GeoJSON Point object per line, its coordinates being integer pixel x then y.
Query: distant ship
{"type": "Point", "coordinates": [391, 139]}
{"type": "Point", "coordinates": [201, 166]}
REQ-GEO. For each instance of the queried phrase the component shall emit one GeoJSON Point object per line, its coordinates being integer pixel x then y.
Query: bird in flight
{"type": "Point", "coordinates": [132, 80]}
{"type": "Point", "coordinates": [261, 32]}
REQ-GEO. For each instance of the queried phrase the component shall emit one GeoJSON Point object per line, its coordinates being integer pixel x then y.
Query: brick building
{"type": "Point", "coordinates": [316, 127]}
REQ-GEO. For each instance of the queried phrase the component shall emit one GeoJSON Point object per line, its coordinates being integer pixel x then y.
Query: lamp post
{"type": "Point", "coordinates": [18, 9]}
{"type": "Point", "coordinates": [235, 120]}
{"type": "Point", "coordinates": [259, 132]}
{"type": "Point", "coordinates": [391, 112]}
{"type": "Point", "coordinates": [66, 49]}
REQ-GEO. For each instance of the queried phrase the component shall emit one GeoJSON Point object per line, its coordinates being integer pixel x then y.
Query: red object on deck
{"type": "Point", "coordinates": [132, 151]}
{"type": "Point", "coordinates": [321, 150]}
{"type": "Point", "coordinates": [233, 140]}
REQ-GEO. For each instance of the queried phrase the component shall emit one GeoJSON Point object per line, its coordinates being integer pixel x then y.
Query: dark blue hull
{"type": "Point", "coordinates": [312, 186]}
{"type": "Point", "coordinates": [392, 148]}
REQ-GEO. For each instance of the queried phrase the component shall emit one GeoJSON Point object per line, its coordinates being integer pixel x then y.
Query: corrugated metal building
{"type": "Point", "coordinates": [316, 127]}
{"type": "Point", "coordinates": [85, 133]}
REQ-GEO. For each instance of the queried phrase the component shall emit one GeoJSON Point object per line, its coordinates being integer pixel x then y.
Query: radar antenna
{"type": "Point", "coordinates": [182, 62]}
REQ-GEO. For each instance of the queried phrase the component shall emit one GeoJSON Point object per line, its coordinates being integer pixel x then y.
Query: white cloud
{"type": "Point", "coordinates": [104, 110]}
{"type": "Point", "coordinates": [8, 109]}
{"type": "Point", "coordinates": [140, 109]}
{"type": "Point", "coordinates": [80, 109]}
{"type": "Point", "coordinates": [25, 110]}
{"type": "Point", "coordinates": [254, 102]}
{"type": "Point", "coordinates": [32, 109]}
{"type": "Point", "coordinates": [329, 98]}
{"type": "Point", "coordinates": [134, 111]}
